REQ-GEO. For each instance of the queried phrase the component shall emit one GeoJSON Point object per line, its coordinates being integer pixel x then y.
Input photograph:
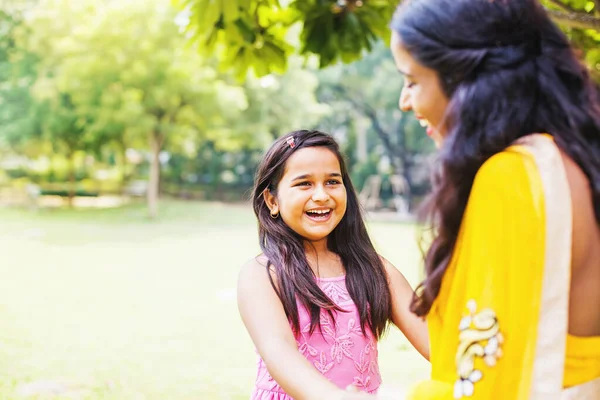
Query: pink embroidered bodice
{"type": "Point", "coordinates": [341, 353]}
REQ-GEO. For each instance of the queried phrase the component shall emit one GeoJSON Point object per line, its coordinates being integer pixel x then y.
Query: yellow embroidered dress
{"type": "Point", "coordinates": [498, 328]}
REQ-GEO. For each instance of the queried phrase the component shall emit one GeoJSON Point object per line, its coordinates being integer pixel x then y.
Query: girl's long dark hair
{"type": "Point", "coordinates": [508, 72]}
{"type": "Point", "coordinates": [366, 279]}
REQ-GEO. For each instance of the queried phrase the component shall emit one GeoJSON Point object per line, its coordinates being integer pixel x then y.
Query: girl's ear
{"type": "Point", "coordinates": [271, 202]}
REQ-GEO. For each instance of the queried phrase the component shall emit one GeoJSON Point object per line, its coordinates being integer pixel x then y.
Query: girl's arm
{"type": "Point", "coordinates": [264, 317]}
{"type": "Point", "coordinates": [413, 327]}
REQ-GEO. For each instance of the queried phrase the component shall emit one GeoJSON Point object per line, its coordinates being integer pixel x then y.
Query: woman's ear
{"type": "Point", "coordinates": [271, 202]}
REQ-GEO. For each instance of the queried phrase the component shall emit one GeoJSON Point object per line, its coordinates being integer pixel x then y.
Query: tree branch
{"type": "Point", "coordinates": [575, 19]}
{"type": "Point", "coordinates": [395, 152]}
{"type": "Point", "coordinates": [597, 7]}
{"type": "Point", "coordinates": [563, 6]}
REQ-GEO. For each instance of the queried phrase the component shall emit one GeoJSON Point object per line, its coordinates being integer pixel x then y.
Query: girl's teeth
{"type": "Point", "coordinates": [423, 123]}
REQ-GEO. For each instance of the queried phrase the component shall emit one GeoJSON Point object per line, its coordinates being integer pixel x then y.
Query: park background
{"type": "Point", "coordinates": [130, 131]}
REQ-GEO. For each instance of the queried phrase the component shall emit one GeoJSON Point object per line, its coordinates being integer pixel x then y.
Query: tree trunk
{"type": "Point", "coordinates": [122, 162]}
{"type": "Point", "coordinates": [154, 180]}
{"type": "Point", "coordinates": [362, 152]}
{"type": "Point", "coordinates": [71, 191]}
{"type": "Point", "coordinates": [123, 165]}
{"type": "Point", "coordinates": [407, 174]}
{"type": "Point", "coordinates": [406, 160]}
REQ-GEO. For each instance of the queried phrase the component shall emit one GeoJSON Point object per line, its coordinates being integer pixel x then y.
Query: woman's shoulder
{"type": "Point", "coordinates": [519, 178]}
{"type": "Point", "coordinates": [508, 182]}
{"type": "Point", "coordinates": [503, 163]}
{"type": "Point", "coordinates": [517, 158]}
{"type": "Point", "coordinates": [511, 169]}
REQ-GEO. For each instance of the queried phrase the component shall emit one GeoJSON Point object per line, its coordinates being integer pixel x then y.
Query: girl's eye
{"type": "Point", "coordinates": [303, 184]}
{"type": "Point", "coordinates": [409, 84]}
{"type": "Point", "coordinates": [333, 182]}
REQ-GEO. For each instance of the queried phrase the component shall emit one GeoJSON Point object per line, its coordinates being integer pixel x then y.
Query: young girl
{"type": "Point", "coordinates": [319, 297]}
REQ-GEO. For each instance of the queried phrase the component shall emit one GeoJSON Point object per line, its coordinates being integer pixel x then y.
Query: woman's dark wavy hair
{"type": "Point", "coordinates": [366, 278]}
{"type": "Point", "coordinates": [508, 71]}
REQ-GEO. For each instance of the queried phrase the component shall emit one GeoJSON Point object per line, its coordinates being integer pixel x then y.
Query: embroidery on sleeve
{"type": "Point", "coordinates": [479, 337]}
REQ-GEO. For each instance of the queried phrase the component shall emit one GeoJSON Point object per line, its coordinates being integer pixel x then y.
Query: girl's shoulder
{"type": "Point", "coordinates": [260, 261]}
{"type": "Point", "coordinates": [256, 268]}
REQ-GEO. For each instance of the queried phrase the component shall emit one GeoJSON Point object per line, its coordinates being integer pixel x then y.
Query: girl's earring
{"type": "Point", "coordinates": [274, 216]}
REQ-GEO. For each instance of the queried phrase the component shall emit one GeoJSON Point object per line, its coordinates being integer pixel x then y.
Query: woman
{"type": "Point", "coordinates": [512, 288]}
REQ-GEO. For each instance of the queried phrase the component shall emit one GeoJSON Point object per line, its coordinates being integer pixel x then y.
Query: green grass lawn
{"type": "Point", "coordinates": [104, 304]}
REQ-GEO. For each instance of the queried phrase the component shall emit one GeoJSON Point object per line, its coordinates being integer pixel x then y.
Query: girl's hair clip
{"type": "Point", "coordinates": [290, 142]}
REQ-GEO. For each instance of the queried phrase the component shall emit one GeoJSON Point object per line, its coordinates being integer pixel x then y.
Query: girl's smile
{"type": "Point", "coordinates": [319, 214]}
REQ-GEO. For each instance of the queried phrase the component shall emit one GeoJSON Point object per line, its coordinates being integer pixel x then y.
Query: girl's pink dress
{"type": "Point", "coordinates": [341, 353]}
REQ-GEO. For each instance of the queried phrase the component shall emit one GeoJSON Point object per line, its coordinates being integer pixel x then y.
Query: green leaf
{"type": "Point", "coordinates": [579, 4]}
{"type": "Point", "coordinates": [211, 13]}
{"type": "Point", "coordinates": [230, 10]}
{"type": "Point", "coordinates": [246, 31]}
{"type": "Point", "coordinates": [589, 6]}
{"type": "Point", "coordinates": [276, 55]}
